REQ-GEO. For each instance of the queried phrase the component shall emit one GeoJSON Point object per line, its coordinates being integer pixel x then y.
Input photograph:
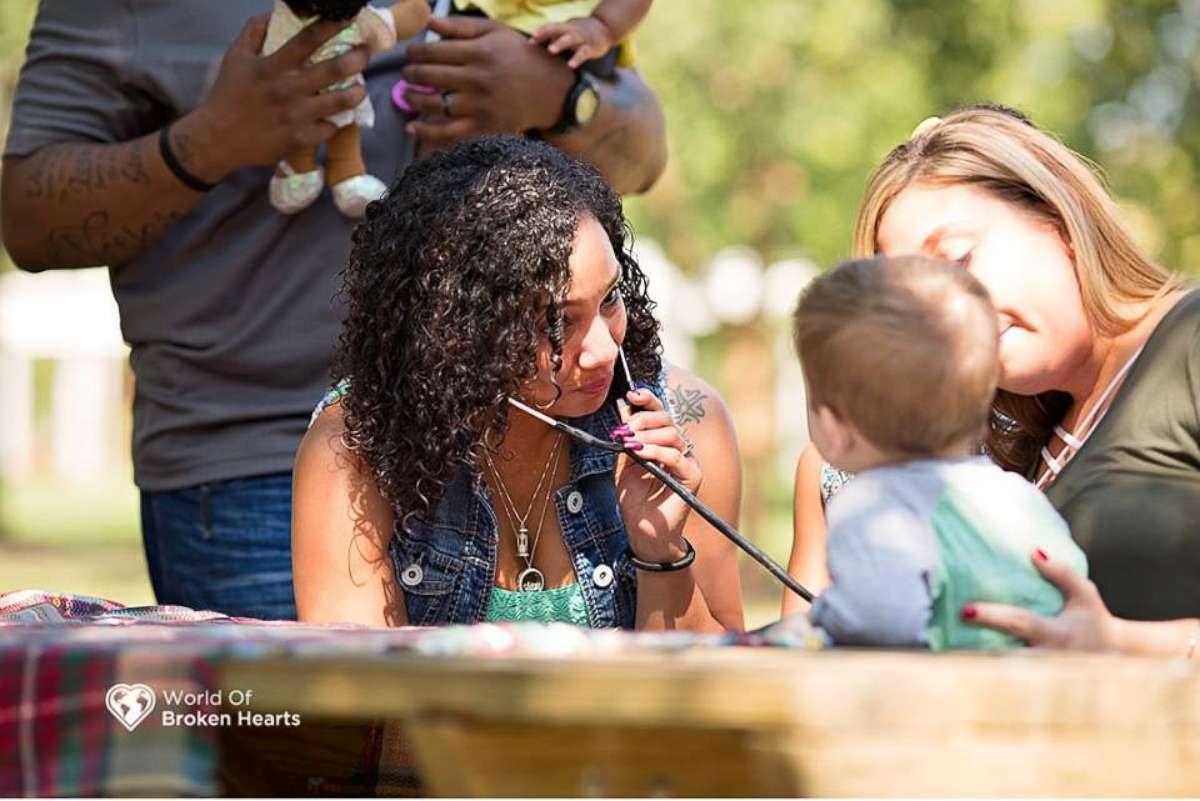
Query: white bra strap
{"type": "Point", "coordinates": [1087, 425]}
{"type": "Point", "coordinates": [1070, 439]}
{"type": "Point", "coordinates": [1051, 462]}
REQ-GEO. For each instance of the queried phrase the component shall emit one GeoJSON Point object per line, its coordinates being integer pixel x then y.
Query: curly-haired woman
{"type": "Point", "coordinates": [501, 268]}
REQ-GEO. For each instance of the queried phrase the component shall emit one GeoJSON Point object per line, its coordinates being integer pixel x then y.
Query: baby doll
{"type": "Point", "coordinates": [298, 179]}
{"type": "Point", "coordinates": [900, 360]}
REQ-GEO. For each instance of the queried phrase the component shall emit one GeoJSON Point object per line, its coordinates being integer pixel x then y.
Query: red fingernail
{"type": "Point", "coordinates": [1041, 555]}
{"type": "Point", "coordinates": [968, 612]}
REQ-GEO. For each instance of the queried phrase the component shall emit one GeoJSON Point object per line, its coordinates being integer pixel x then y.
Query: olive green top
{"type": "Point", "coordinates": [1132, 493]}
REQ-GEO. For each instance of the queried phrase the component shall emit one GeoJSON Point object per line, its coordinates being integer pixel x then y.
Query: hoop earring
{"type": "Point", "coordinates": [538, 405]}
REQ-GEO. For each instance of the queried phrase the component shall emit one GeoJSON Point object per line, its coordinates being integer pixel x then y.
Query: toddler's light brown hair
{"type": "Point", "coordinates": [904, 348]}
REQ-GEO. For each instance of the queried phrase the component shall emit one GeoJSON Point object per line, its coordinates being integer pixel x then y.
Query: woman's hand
{"type": "Point", "coordinates": [654, 516]}
{"type": "Point", "coordinates": [1084, 624]}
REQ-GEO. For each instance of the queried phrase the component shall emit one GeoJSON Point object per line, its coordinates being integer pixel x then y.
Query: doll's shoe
{"type": "Point", "coordinates": [294, 191]}
{"type": "Point", "coordinates": [353, 194]}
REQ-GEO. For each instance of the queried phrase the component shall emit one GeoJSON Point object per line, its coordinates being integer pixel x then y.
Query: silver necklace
{"type": "Point", "coordinates": [530, 578]}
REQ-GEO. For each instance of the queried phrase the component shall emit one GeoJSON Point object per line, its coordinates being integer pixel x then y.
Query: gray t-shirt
{"type": "Point", "coordinates": [231, 315]}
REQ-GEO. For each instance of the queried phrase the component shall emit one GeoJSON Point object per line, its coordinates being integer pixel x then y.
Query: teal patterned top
{"type": "Point", "coordinates": [561, 605]}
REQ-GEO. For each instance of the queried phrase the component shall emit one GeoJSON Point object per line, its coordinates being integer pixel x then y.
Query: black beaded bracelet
{"type": "Point", "coordinates": [665, 567]}
{"type": "Point", "coordinates": [168, 157]}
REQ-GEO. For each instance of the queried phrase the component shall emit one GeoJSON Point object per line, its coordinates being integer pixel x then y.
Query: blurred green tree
{"type": "Point", "coordinates": [777, 110]}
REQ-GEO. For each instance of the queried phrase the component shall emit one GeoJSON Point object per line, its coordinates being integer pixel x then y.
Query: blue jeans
{"type": "Point", "coordinates": [224, 546]}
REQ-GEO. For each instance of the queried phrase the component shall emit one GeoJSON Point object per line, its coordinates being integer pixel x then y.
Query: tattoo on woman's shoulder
{"type": "Point", "coordinates": [687, 404]}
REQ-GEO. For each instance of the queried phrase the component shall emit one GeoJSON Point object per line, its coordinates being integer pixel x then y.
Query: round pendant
{"type": "Point", "coordinates": [531, 580]}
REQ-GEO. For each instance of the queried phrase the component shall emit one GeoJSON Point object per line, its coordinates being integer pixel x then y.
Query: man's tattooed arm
{"type": "Point", "coordinates": [83, 205]}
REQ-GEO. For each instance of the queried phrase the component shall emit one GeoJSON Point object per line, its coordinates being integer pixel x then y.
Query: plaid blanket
{"type": "Point", "coordinates": [80, 677]}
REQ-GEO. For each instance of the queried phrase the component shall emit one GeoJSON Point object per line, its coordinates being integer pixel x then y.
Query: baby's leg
{"type": "Point", "coordinates": [302, 159]}
{"type": "Point", "coordinates": [347, 175]}
{"type": "Point", "coordinates": [297, 181]}
{"type": "Point", "coordinates": [344, 159]}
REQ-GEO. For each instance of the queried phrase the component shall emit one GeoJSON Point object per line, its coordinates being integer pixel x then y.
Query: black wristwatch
{"type": "Point", "coordinates": [580, 106]}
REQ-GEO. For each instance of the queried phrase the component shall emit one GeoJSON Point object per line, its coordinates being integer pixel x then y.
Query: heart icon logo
{"type": "Point", "coordinates": [130, 703]}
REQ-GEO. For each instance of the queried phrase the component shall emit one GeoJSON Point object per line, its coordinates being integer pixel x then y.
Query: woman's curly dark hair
{"type": "Point", "coordinates": [454, 279]}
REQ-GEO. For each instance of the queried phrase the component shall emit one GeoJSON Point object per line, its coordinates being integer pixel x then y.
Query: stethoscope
{"type": "Point", "coordinates": [584, 438]}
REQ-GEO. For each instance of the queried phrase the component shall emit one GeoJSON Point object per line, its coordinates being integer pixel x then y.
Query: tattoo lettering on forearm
{"type": "Point", "coordinates": [687, 405]}
{"type": "Point", "coordinates": [97, 242]}
{"type": "Point", "coordinates": [58, 172]}
{"type": "Point", "coordinates": [181, 145]}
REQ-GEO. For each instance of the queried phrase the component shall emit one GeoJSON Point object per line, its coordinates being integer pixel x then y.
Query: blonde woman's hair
{"type": "Point", "coordinates": [1001, 152]}
{"type": "Point", "coordinates": [904, 348]}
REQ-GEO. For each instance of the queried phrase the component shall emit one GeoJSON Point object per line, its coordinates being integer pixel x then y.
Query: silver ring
{"type": "Point", "coordinates": [446, 104]}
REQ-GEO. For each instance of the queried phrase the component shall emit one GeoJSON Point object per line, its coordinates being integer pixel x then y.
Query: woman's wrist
{"type": "Point", "coordinates": [1178, 638]}
{"type": "Point", "coordinates": [660, 552]}
{"type": "Point", "coordinates": [1122, 637]}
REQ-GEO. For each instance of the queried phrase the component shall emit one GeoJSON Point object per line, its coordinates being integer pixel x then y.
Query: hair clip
{"type": "Point", "coordinates": [924, 126]}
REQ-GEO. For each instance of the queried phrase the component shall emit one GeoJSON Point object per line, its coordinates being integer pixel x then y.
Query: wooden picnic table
{"type": "Point", "coordinates": [766, 722]}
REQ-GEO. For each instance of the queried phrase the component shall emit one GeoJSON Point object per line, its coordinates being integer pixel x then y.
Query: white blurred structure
{"type": "Point", "coordinates": [734, 285]}
{"type": "Point", "coordinates": [783, 283]}
{"type": "Point", "coordinates": [785, 280]}
{"type": "Point", "coordinates": [69, 317]}
{"type": "Point", "coordinates": [735, 289]}
{"type": "Point", "coordinates": [670, 289]}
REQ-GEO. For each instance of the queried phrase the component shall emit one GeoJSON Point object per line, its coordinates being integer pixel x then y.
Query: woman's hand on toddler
{"type": "Point", "coordinates": [1084, 623]}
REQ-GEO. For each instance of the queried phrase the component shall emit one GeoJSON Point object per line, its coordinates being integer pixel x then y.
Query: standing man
{"type": "Point", "coordinates": [143, 139]}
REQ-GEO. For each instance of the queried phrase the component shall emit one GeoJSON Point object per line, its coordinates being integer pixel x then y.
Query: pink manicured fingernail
{"type": "Point", "coordinates": [968, 612]}
{"type": "Point", "coordinates": [1041, 555]}
{"type": "Point", "coordinates": [634, 445]}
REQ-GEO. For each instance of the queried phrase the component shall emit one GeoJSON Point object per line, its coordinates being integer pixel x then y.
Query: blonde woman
{"type": "Point", "coordinates": [1099, 400]}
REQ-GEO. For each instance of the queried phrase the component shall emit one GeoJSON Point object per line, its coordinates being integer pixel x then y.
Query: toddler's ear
{"type": "Point", "coordinates": [838, 436]}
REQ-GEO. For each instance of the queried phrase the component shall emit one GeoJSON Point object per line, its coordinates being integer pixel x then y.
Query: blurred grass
{"type": "Point", "coordinates": [762, 594]}
{"type": "Point", "coordinates": [68, 537]}
{"type": "Point", "coordinates": [85, 539]}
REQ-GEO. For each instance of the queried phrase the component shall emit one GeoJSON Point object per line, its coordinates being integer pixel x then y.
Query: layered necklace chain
{"type": "Point", "coordinates": [530, 579]}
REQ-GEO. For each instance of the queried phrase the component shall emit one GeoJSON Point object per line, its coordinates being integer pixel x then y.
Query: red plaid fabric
{"type": "Point", "coordinates": [60, 655]}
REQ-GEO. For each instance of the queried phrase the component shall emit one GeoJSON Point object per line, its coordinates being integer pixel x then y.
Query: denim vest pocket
{"type": "Point", "coordinates": [427, 577]}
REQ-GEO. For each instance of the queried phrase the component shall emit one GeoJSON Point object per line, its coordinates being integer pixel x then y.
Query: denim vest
{"type": "Point", "coordinates": [446, 563]}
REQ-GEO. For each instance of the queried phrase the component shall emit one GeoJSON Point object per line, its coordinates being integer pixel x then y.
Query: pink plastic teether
{"type": "Point", "coordinates": [403, 86]}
